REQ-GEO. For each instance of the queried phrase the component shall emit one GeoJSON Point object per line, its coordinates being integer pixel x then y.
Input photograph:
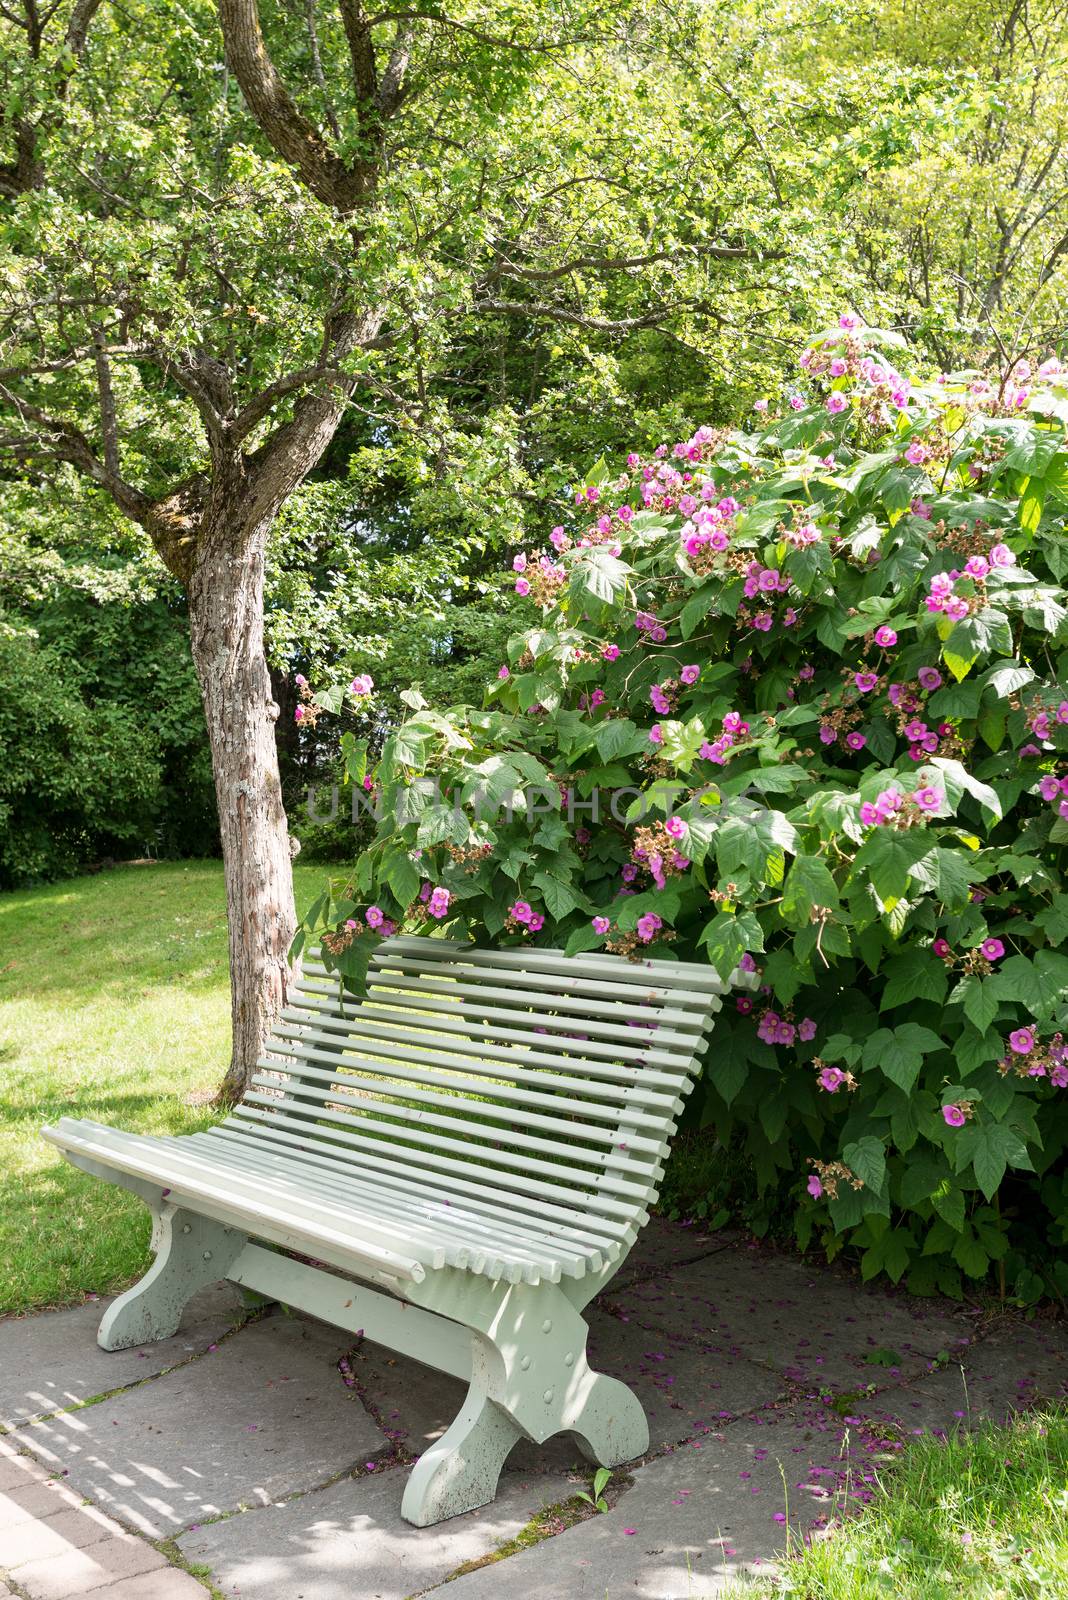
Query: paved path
{"type": "Point", "coordinates": [264, 1457]}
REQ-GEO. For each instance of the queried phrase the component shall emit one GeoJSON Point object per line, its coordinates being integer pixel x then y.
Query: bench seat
{"type": "Point", "coordinates": [452, 1165]}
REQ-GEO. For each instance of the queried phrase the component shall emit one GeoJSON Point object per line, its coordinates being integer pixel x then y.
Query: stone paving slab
{"type": "Point", "coordinates": [684, 1391]}
{"type": "Point", "coordinates": [39, 1373]}
{"type": "Point", "coordinates": [662, 1246]}
{"type": "Point", "coordinates": [266, 1414]}
{"type": "Point", "coordinates": [348, 1542]}
{"type": "Point", "coordinates": [807, 1322]}
{"type": "Point", "coordinates": [709, 1513]}
{"type": "Point", "coordinates": [17, 1470]}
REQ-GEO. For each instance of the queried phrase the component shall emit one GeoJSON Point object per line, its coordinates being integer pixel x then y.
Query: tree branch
{"type": "Point", "coordinates": [294, 138]}
{"type": "Point", "coordinates": [109, 425]}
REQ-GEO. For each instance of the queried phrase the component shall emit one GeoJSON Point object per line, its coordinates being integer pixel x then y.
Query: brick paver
{"type": "Point", "coordinates": [83, 1572]}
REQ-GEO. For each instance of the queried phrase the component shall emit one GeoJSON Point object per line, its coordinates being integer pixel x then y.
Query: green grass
{"type": "Point", "coordinates": [114, 1004]}
{"type": "Point", "coordinates": [983, 1515]}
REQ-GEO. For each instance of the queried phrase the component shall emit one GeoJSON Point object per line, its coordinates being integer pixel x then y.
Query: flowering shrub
{"type": "Point", "coordinates": [796, 697]}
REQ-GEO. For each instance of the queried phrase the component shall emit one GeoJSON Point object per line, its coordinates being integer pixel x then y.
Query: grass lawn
{"type": "Point", "coordinates": [982, 1516]}
{"type": "Point", "coordinates": [114, 1004]}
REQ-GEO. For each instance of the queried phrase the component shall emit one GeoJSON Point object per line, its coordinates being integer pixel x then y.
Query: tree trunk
{"type": "Point", "coordinates": [226, 628]}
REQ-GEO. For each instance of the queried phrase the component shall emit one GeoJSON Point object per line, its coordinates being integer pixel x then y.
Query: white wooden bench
{"type": "Point", "coordinates": [479, 1139]}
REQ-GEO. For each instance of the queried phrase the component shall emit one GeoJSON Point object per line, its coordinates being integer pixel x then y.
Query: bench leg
{"type": "Point", "coordinates": [191, 1252]}
{"type": "Point", "coordinates": [611, 1427]}
{"type": "Point", "coordinates": [460, 1471]}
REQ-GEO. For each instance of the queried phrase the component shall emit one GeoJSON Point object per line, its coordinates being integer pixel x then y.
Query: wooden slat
{"type": "Point", "coordinates": [602, 1232]}
{"type": "Point", "coordinates": [426, 1129]}
{"type": "Point", "coordinates": [518, 1176]}
{"type": "Point", "coordinates": [466, 1229]}
{"type": "Point", "coordinates": [480, 1096]}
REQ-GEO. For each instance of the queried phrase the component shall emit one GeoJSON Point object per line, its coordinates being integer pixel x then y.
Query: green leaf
{"type": "Point", "coordinates": [402, 875]}
{"type": "Point", "coordinates": [898, 1053]}
{"type": "Point", "coordinates": [809, 884]}
{"type": "Point", "coordinates": [992, 1147]}
{"type": "Point", "coordinates": [1038, 985]}
{"type": "Point", "coordinates": [560, 897]}
{"type": "Point", "coordinates": [948, 1200]}
{"type": "Point", "coordinates": [867, 1158]}
{"type": "Point", "coordinates": [618, 736]}
{"type": "Point", "coordinates": [728, 937]}
{"type": "Point", "coordinates": [979, 997]}
{"type": "Point", "coordinates": [888, 858]}
{"type": "Point", "coordinates": [914, 975]}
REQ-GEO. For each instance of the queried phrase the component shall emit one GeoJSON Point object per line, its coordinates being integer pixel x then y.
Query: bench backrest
{"type": "Point", "coordinates": [548, 1081]}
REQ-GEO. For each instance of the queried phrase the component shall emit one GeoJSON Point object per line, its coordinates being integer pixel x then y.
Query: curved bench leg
{"type": "Point", "coordinates": [460, 1471]}
{"type": "Point", "coordinates": [191, 1252]}
{"type": "Point", "coordinates": [612, 1426]}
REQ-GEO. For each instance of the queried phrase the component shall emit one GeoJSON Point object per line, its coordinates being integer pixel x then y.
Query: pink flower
{"type": "Point", "coordinates": [536, 922]}
{"type": "Point", "coordinates": [836, 402]}
{"type": "Point", "coordinates": [519, 562]}
{"type": "Point", "coordinates": [648, 926]}
{"type": "Point", "coordinates": [1002, 556]}
{"type": "Point", "coordinates": [977, 566]}
{"type": "Point", "coordinates": [689, 675]}
{"type": "Point", "coordinates": [656, 734]}
{"type": "Point", "coordinates": [601, 924]}
{"type": "Point", "coordinates": [1022, 1041]}
{"type": "Point", "coordinates": [837, 367]}
{"type": "Point", "coordinates": [374, 917]}
{"type": "Point", "coordinates": [831, 1079]}
{"type": "Point", "coordinates": [363, 684]}
{"type": "Point", "coordinates": [744, 1004]}
{"type": "Point", "coordinates": [558, 538]}
{"type": "Point", "coordinates": [942, 947]}
{"type": "Point", "coordinates": [522, 587]}
{"type": "Point", "coordinates": [502, 673]}
{"type": "Point", "coordinates": [675, 826]}
{"type": "Point", "coordinates": [930, 678]}
{"type": "Point", "coordinates": [521, 911]}
{"type": "Point", "coordinates": [869, 816]}
{"type": "Point", "coordinates": [848, 321]}
{"type": "Point", "coordinates": [827, 734]}
{"type": "Point", "coordinates": [885, 638]}
{"type": "Point", "coordinates": [1049, 787]}
{"type": "Point", "coordinates": [298, 715]}
{"type": "Point", "coordinates": [760, 405]}
{"type": "Point", "coordinates": [927, 798]}
{"type": "Point", "coordinates": [796, 402]}
{"type": "Point", "coordinates": [992, 949]}
{"type": "Point", "coordinates": [855, 741]}
{"type": "Point", "coordinates": [806, 1030]}
{"type": "Point", "coordinates": [954, 1116]}
{"type": "Point", "coordinates": [865, 681]}
{"type": "Point", "coordinates": [611, 652]}
{"type": "Point", "coordinates": [746, 963]}
{"type": "Point", "coordinates": [814, 1187]}
{"type": "Point", "coordinates": [916, 454]}
{"type": "Point", "coordinates": [439, 903]}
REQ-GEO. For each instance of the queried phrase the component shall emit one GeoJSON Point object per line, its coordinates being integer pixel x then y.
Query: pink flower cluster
{"type": "Point", "coordinates": [662, 705]}
{"type": "Point", "coordinates": [648, 625]}
{"type": "Point", "coordinates": [890, 804]}
{"type": "Point", "coordinates": [524, 913]}
{"type": "Point", "coordinates": [435, 900]}
{"type": "Point", "coordinates": [943, 598]}
{"type": "Point", "coordinates": [733, 728]}
{"type": "Point", "coordinates": [649, 926]}
{"type": "Point", "coordinates": [707, 526]}
{"type": "Point", "coordinates": [376, 918]}
{"type": "Point", "coordinates": [774, 1029]}
{"type": "Point", "coordinates": [1041, 722]}
{"type": "Point", "coordinates": [1028, 1057]}
{"type": "Point", "coordinates": [1055, 790]}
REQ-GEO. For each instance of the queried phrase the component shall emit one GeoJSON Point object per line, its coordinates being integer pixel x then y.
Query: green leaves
{"type": "Point", "coordinates": [728, 937]}
{"type": "Point", "coordinates": [809, 884]}
{"type": "Point", "coordinates": [867, 1158]}
{"type": "Point", "coordinates": [598, 581]}
{"type": "Point", "coordinates": [898, 1052]}
{"type": "Point", "coordinates": [757, 840]}
{"type": "Point", "coordinates": [888, 857]}
{"type": "Point", "coordinates": [991, 1147]}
